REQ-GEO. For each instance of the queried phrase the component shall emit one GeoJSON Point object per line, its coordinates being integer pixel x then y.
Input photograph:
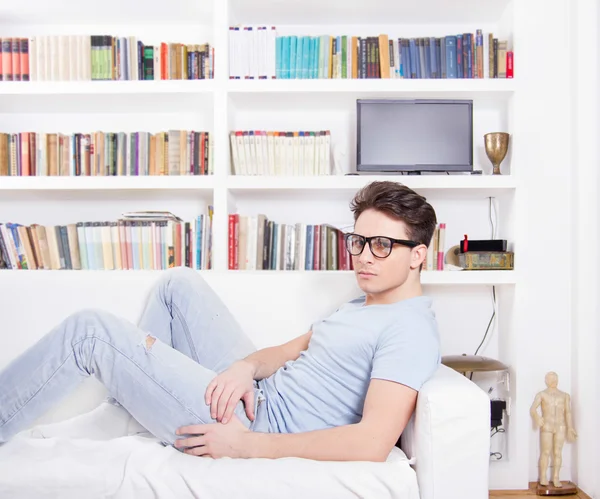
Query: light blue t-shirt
{"type": "Point", "coordinates": [327, 385]}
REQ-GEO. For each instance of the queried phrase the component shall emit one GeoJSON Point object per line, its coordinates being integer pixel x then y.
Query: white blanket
{"type": "Point", "coordinates": [136, 466]}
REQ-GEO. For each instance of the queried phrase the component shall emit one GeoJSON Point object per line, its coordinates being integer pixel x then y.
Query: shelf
{"type": "Point", "coordinates": [346, 184]}
{"type": "Point", "coordinates": [471, 88]}
{"type": "Point", "coordinates": [479, 87]}
{"type": "Point", "coordinates": [467, 278]}
{"type": "Point", "coordinates": [460, 277]}
{"type": "Point", "coordinates": [336, 12]}
{"type": "Point", "coordinates": [134, 87]}
{"type": "Point", "coordinates": [161, 183]}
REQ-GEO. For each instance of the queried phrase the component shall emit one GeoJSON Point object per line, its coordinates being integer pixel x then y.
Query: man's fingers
{"type": "Point", "coordinates": [190, 442]}
{"type": "Point", "coordinates": [223, 401]}
{"type": "Point", "coordinates": [233, 401]}
{"type": "Point", "coordinates": [195, 429]}
{"type": "Point", "coordinates": [198, 451]}
{"type": "Point", "coordinates": [248, 399]}
{"type": "Point", "coordinates": [214, 403]}
{"type": "Point", "coordinates": [209, 390]}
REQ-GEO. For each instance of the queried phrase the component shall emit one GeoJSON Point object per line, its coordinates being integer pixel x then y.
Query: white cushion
{"type": "Point", "coordinates": [448, 438]}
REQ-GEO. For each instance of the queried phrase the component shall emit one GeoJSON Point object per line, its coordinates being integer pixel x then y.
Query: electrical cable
{"type": "Point", "coordinates": [497, 455]}
{"type": "Point", "coordinates": [487, 330]}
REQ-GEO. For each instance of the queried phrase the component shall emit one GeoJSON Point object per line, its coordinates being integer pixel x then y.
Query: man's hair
{"type": "Point", "coordinates": [399, 202]}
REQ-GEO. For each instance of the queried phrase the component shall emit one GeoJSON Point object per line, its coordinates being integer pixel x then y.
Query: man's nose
{"type": "Point", "coordinates": [366, 256]}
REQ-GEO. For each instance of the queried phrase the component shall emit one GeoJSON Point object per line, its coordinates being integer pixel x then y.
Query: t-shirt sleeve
{"type": "Point", "coordinates": [405, 355]}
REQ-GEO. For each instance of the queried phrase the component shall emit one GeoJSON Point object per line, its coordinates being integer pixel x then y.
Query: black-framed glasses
{"type": "Point", "coordinates": [381, 246]}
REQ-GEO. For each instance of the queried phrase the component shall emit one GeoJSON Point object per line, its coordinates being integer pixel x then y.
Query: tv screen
{"type": "Point", "coordinates": [414, 135]}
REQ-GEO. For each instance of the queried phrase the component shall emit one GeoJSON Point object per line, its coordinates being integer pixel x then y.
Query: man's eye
{"type": "Point", "coordinates": [381, 243]}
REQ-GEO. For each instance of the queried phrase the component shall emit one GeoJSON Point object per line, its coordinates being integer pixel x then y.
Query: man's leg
{"type": "Point", "coordinates": [184, 311]}
{"type": "Point", "coordinates": [159, 386]}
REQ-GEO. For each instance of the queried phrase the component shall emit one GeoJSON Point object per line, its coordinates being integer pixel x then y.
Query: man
{"type": "Point", "coordinates": [555, 423]}
{"type": "Point", "coordinates": [343, 391]}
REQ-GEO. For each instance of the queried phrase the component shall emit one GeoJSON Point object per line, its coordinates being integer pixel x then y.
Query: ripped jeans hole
{"type": "Point", "coordinates": [150, 340]}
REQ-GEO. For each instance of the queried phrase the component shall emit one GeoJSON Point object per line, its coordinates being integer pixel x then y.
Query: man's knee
{"type": "Point", "coordinates": [180, 278]}
{"type": "Point", "coordinates": [87, 322]}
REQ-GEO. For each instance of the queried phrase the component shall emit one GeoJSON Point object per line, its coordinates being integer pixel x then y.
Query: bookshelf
{"type": "Point", "coordinates": [221, 105]}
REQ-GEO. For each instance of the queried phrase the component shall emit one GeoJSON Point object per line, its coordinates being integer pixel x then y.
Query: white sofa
{"type": "Point", "coordinates": [445, 448]}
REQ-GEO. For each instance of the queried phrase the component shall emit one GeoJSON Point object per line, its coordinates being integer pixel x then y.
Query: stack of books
{"type": "Point", "coordinates": [260, 152]}
{"type": "Point", "coordinates": [259, 52]}
{"type": "Point", "coordinates": [102, 57]}
{"type": "Point", "coordinates": [174, 152]}
{"type": "Point", "coordinates": [136, 241]}
{"type": "Point", "coordinates": [257, 243]}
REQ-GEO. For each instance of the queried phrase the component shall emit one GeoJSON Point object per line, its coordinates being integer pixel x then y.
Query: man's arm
{"type": "Point", "coordinates": [387, 409]}
{"type": "Point", "coordinates": [266, 361]}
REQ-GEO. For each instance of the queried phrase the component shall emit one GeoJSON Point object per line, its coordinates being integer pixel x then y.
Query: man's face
{"type": "Point", "coordinates": [376, 276]}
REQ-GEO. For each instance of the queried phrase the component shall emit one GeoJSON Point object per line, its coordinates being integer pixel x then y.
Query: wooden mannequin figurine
{"type": "Point", "coordinates": [555, 425]}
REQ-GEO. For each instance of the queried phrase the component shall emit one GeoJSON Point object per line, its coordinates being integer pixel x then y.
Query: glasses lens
{"type": "Point", "coordinates": [355, 244]}
{"type": "Point", "coordinates": [381, 246]}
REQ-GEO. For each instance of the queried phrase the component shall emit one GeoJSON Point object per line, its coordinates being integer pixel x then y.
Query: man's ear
{"type": "Point", "coordinates": [418, 255]}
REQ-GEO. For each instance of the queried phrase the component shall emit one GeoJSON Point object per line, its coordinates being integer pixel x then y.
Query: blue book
{"type": "Point", "coordinates": [285, 52]}
{"type": "Point", "coordinates": [274, 252]}
{"type": "Point", "coordinates": [414, 56]}
{"type": "Point", "coordinates": [451, 57]}
{"type": "Point", "coordinates": [306, 53]}
{"type": "Point", "coordinates": [299, 57]}
{"type": "Point", "coordinates": [309, 248]}
{"type": "Point", "coordinates": [293, 44]}
{"type": "Point", "coordinates": [433, 58]}
{"type": "Point", "coordinates": [198, 255]}
{"type": "Point", "coordinates": [316, 51]}
{"type": "Point", "coordinates": [427, 51]}
{"type": "Point", "coordinates": [459, 56]}
{"type": "Point", "coordinates": [469, 55]}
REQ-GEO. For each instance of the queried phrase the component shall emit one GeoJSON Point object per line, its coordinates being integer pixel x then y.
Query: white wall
{"type": "Point", "coordinates": [586, 272]}
{"type": "Point", "coordinates": [542, 145]}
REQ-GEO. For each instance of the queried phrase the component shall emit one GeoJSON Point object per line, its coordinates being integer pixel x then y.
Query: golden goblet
{"type": "Point", "coordinates": [496, 147]}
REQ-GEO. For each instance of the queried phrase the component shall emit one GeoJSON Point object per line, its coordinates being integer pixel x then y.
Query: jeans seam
{"type": "Point", "coordinates": [72, 354]}
{"type": "Point", "coordinates": [186, 331]}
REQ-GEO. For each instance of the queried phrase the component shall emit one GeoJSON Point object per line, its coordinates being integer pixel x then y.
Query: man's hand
{"type": "Point", "coordinates": [228, 388]}
{"type": "Point", "coordinates": [215, 440]}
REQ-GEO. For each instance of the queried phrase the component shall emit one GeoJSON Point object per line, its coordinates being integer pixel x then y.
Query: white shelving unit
{"type": "Point", "coordinates": [221, 105]}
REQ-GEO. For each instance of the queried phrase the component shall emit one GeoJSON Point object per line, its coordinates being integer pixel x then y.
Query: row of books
{"type": "Point", "coordinates": [137, 241]}
{"type": "Point", "coordinates": [102, 57]}
{"type": "Point", "coordinates": [257, 243]}
{"type": "Point", "coordinates": [436, 249]}
{"type": "Point", "coordinates": [260, 152]}
{"type": "Point", "coordinates": [173, 152]}
{"type": "Point", "coordinates": [260, 53]}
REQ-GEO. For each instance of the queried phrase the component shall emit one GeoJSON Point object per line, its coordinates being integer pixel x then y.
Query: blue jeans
{"type": "Point", "coordinates": [162, 385]}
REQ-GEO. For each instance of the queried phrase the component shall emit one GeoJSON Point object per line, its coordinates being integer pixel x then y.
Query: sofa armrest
{"type": "Point", "coordinates": [448, 438]}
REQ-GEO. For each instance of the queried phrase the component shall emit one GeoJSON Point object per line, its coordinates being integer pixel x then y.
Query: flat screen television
{"type": "Point", "coordinates": [428, 135]}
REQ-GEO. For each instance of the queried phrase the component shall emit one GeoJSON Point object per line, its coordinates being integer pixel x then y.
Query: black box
{"type": "Point", "coordinates": [497, 245]}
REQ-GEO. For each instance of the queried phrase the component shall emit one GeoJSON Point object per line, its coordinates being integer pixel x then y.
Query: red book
{"type": "Point", "coordinates": [510, 64]}
{"type": "Point", "coordinates": [231, 243]}
{"type": "Point", "coordinates": [24, 59]}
